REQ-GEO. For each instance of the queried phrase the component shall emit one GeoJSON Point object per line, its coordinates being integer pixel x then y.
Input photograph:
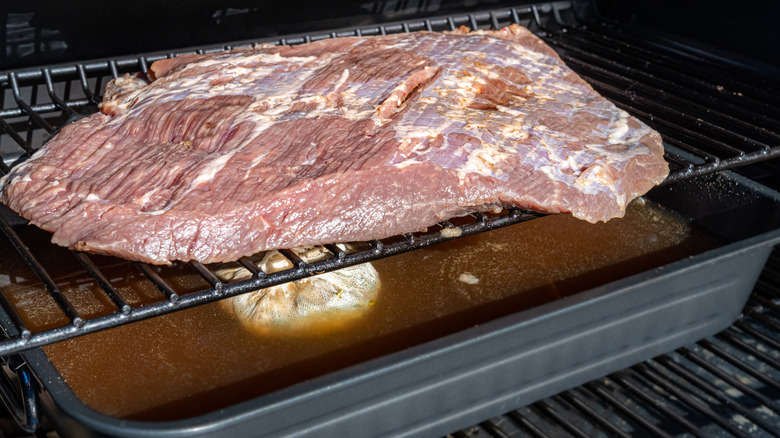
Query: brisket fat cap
{"type": "Point", "coordinates": [347, 139]}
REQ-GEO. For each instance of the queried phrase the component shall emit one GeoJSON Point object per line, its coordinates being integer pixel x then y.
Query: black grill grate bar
{"type": "Point", "coordinates": [4, 167]}
{"type": "Point", "coordinates": [673, 55]}
{"type": "Point", "coordinates": [93, 98]}
{"type": "Point", "coordinates": [161, 284]}
{"type": "Point", "coordinates": [551, 413]}
{"type": "Point", "coordinates": [716, 393]}
{"type": "Point", "coordinates": [748, 330]}
{"type": "Point", "coordinates": [573, 399]}
{"type": "Point", "coordinates": [726, 164]}
{"type": "Point", "coordinates": [681, 73]}
{"type": "Point", "coordinates": [680, 97]}
{"type": "Point", "coordinates": [297, 262]}
{"type": "Point", "coordinates": [738, 363]}
{"type": "Point", "coordinates": [651, 398]}
{"type": "Point", "coordinates": [600, 390]}
{"type": "Point", "coordinates": [251, 267]}
{"type": "Point", "coordinates": [728, 336]}
{"type": "Point", "coordinates": [61, 104]}
{"type": "Point", "coordinates": [41, 273]}
{"type": "Point", "coordinates": [207, 275]}
{"type": "Point", "coordinates": [705, 157]}
{"type": "Point", "coordinates": [102, 281]}
{"type": "Point", "coordinates": [762, 318]}
{"type": "Point", "coordinates": [769, 287]}
{"type": "Point", "coordinates": [15, 136]}
{"type": "Point", "coordinates": [764, 286]}
{"type": "Point", "coordinates": [678, 161]}
{"type": "Point", "coordinates": [35, 116]}
{"type": "Point", "coordinates": [685, 125]}
{"type": "Point", "coordinates": [493, 429]}
{"type": "Point", "coordinates": [728, 378]}
{"type": "Point", "coordinates": [72, 70]}
{"type": "Point", "coordinates": [336, 250]}
{"type": "Point", "coordinates": [690, 401]}
{"type": "Point", "coordinates": [676, 82]}
{"type": "Point", "coordinates": [23, 332]}
{"type": "Point", "coordinates": [44, 108]}
{"type": "Point", "coordinates": [523, 422]}
{"type": "Point", "coordinates": [112, 67]}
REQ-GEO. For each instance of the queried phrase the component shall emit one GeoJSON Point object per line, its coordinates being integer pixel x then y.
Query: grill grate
{"type": "Point", "coordinates": [724, 386]}
{"type": "Point", "coordinates": [711, 120]}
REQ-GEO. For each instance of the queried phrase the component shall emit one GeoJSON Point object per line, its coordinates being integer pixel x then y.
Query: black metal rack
{"type": "Point", "coordinates": [711, 120]}
{"type": "Point", "coordinates": [723, 386]}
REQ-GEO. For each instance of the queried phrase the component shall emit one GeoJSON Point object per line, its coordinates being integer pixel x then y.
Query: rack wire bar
{"type": "Point", "coordinates": [104, 283]}
{"type": "Point", "coordinates": [719, 128]}
{"type": "Point", "coordinates": [41, 273]}
{"type": "Point", "coordinates": [592, 415]}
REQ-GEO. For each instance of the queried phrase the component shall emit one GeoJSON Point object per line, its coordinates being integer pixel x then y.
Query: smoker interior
{"type": "Point", "coordinates": [708, 124]}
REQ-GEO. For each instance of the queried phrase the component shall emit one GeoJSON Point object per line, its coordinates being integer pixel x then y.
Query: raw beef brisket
{"type": "Point", "coordinates": [224, 155]}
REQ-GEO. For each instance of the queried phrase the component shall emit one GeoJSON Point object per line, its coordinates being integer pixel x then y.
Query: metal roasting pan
{"type": "Point", "coordinates": [509, 362]}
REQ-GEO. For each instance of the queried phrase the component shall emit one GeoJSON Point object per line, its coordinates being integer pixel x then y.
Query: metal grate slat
{"type": "Point", "coordinates": [25, 107]}
{"type": "Point", "coordinates": [615, 403]}
{"type": "Point", "coordinates": [493, 429]}
{"type": "Point", "coordinates": [550, 412]}
{"type": "Point", "coordinates": [594, 416]}
{"type": "Point", "coordinates": [714, 392]}
{"type": "Point", "coordinates": [677, 123]}
{"type": "Point", "coordinates": [689, 400]}
{"type": "Point", "coordinates": [657, 404]}
{"type": "Point", "coordinates": [771, 342]}
{"type": "Point", "coordinates": [764, 302]}
{"type": "Point", "coordinates": [161, 284]}
{"type": "Point", "coordinates": [24, 333]}
{"type": "Point", "coordinates": [104, 283]}
{"type": "Point", "coordinates": [61, 104]}
{"type": "Point", "coordinates": [723, 122]}
{"type": "Point", "coordinates": [40, 271]}
{"type": "Point", "coordinates": [207, 275]}
{"type": "Point", "coordinates": [728, 378]}
{"type": "Point", "coordinates": [705, 96]}
{"type": "Point", "coordinates": [680, 73]}
{"type": "Point", "coordinates": [526, 424]}
{"type": "Point", "coordinates": [761, 317]}
{"type": "Point", "coordinates": [671, 54]}
{"type": "Point", "coordinates": [251, 267]}
{"type": "Point", "coordinates": [742, 365]}
{"type": "Point", "coordinates": [729, 337]}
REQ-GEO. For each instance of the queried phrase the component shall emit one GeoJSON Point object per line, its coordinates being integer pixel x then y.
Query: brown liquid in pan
{"type": "Point", "coordinates": [194, 361]}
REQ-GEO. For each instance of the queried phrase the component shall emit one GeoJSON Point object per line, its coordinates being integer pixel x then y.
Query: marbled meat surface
{"type": "Point", "coordinates": [217, 156]}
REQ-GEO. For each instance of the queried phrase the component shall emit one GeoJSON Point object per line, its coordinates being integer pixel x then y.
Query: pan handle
{"type": "Point", "coordinates": [22, 399]}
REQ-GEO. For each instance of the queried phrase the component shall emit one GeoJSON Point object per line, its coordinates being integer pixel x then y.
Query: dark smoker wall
{"type": "Point", "coordinates": [47, 31]}
{"type": "Point", "coordinates": [35, 32]}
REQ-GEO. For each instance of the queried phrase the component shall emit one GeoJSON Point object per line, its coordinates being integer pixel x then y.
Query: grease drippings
{"type": "Point", "coordinates": [198, 360]}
